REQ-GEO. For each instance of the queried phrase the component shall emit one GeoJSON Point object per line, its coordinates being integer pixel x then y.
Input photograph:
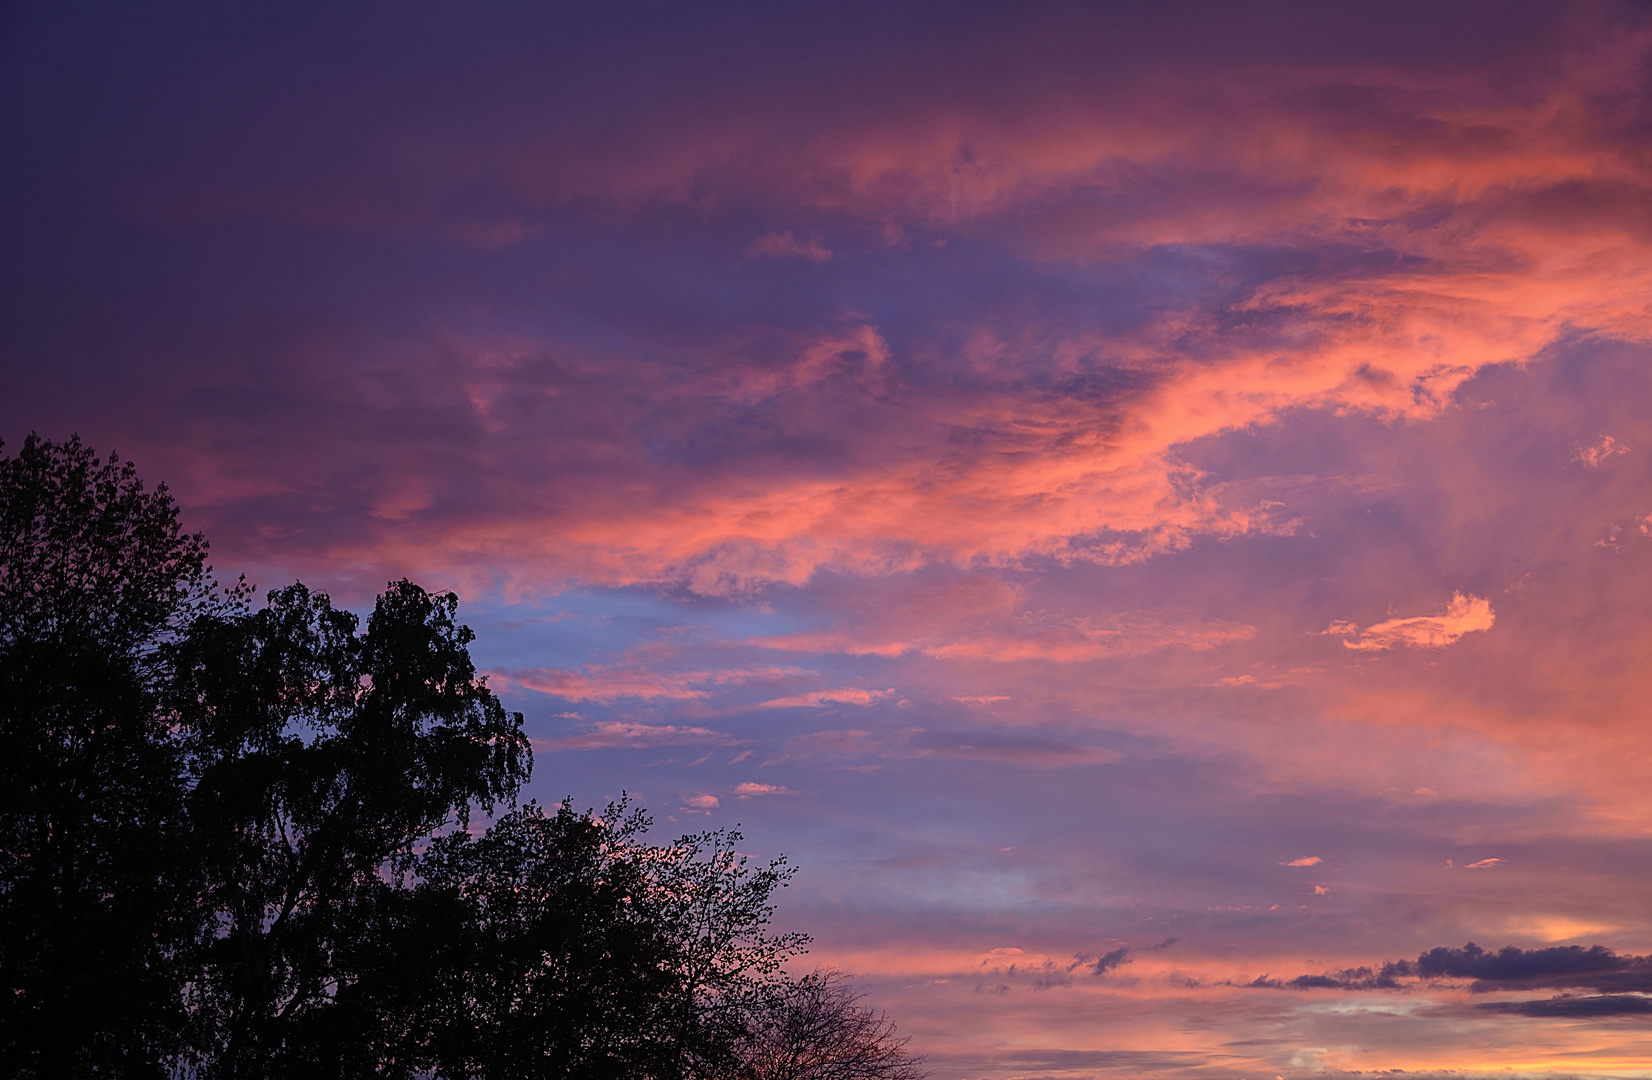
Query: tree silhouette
{"type": "Point", "coordinates": [236, 844]}
{"type": "Point", "coordinates": [96, 578]}
{"type": "Point", "coordinates": [562, 945]}
{"type": "Point", "coordinates": [817, 1029]}
{"type": "Point", "coordinates": [318, 757]}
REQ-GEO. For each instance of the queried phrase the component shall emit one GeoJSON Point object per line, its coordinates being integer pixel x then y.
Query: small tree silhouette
{"type": "Point", "coordinates": [818, 1029]}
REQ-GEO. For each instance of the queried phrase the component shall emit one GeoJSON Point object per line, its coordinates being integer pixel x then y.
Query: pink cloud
{"type": "Point", "coordinates": [1000, 474]}
{"type": "Point", "coordinates": [1249, 680]}
{"type": "Point", "coordinates": [1600, 452]}
{"type": "Point", "coordinates": [612, 682]}
{"type": "Point", "coordinates": [817, 698]}
{"type": "Point", "coordinates": [1503, 222]}
{"type": "Point", "coordinates": [1464, 615]}
{"type": "Point", "coordinates": [749, 789]}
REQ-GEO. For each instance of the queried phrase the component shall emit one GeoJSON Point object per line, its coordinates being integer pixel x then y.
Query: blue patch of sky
{"type": "Point", "coordinates": [586, 625]}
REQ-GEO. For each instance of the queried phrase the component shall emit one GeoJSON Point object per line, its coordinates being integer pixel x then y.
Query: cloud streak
{"type": "Point", "coordinates": [815, 699]}
{"type": "Point", "coordinates": [613, 682]}
{"type": "Point", "coordinates": [610, 734]}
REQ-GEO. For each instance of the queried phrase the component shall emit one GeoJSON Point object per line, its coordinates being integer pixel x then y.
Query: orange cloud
{"type": "Point", "coordinates": [1488, 264]}
{"type": "Point", "coordinates": [1464, 615]}
{"type": "Point", "coordinates": [1475, 277]}
{"type": "Point", "coordinates": [1442, 224]}
{"type": "Point", "coordinates": [1602, 451]}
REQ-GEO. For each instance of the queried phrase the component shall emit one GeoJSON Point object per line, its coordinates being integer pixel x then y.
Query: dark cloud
{"type": "Point", "coordinates": [1108, 961]}
{"type": "Point", "coordinates": [1566, 1006]}
{"type": "Point", "coordinates": [1510, 968]}
{"type": "Point", "coordinates": [1387, 977]}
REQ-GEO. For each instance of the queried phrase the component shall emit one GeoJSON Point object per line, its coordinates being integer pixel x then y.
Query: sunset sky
{"type": "Point", "coordinates": [1149, 505]}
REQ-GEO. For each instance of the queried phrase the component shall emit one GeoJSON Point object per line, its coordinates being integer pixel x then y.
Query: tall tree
{"type": "Point", "coordinates": [96, 577]}
{"type": "Point", "coordinates": [320, 757]}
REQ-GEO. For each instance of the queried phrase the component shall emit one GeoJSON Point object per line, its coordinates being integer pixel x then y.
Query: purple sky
{"type": "Point", "coordinates": [1143, 502]}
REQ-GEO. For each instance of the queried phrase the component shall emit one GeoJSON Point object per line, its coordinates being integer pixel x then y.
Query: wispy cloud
{"type": "Point", "coordinates": [1031, 751]}
{"type": "Point", "coordinates": [1600, 452]}
{"type": "Point", "coordinates": [980, 618]}
{"type": "Point", "coordinates": [815, 699]}
{"type": "Point", "coordinates": [750, 789]}
{"type": "Point", "coordinates": [612, 682]}
{"type": "Point", "coordinates": [782, 244]}
{"type": "Point", "coordinates": [609, 734]}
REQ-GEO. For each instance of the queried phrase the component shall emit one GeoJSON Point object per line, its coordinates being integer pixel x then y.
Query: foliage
{"type": "Point", "coordinates": [237, 844]}
{"type": "Point", "coordinates": [95, 577]}
{"type": "Point", "coordinates": [318, 755]}
{"type": "Point", "coordinates": [562, 945]}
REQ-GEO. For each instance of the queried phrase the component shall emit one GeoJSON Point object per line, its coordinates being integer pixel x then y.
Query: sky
{"type": "Point", "coordinates": [1149, 506]}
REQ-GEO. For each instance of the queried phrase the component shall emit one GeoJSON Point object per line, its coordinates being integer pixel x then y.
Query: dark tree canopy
{"type": "Point", "coordinates": [319, 756]}
{"type": "Point", "coordinates": [562, 945]}
{"type": "Point", "coordinates": [95, 577]}
{"type": "Point", "coordinates": [237, 843]}
{"type": "Point", "coordinates": [87, 555]}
